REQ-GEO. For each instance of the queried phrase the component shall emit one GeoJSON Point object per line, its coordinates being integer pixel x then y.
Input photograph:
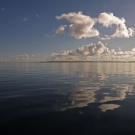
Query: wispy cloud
{"type": "Point", "coordinates": [37, 15]}
{"type": "Point", "coordinates": [1, 59]}
{"type": "Point", "coordinates": [119, 48]}
{"type": "Point", "coordinates": [2, 9]}
{"type": "Point", "coordinates": [25, 19]}
{"type": "Point", "coordinates": [28, 58]}
{"type": "Point", "coordinates": [46, 35]}
{"type": "Point", "coordinates": [23, 57]}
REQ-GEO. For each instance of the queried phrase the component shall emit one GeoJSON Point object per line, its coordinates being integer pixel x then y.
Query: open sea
{"type": "Point", "coordinates": [67, 98]}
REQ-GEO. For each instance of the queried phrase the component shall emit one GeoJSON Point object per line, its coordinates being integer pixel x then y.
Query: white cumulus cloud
{"type": "Point", "coordinates": [84, 52]}
{"type": "Point", "coordinates": [123, 32]}
{"type": "Point", "coordinates": [108, 19]}
{"type": "Point", "coordinates": [63, 53]}
{"type": "Point", "coordinates": [93, 49]}
{"type": "Point", "coordinates": [81, 25]}
{"type": "Point", "coordinates": [97, 51]}
{"type": "Point", "coordinates": [61, 29]}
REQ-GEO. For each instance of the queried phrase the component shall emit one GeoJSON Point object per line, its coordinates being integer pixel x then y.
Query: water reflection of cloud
{"type": "Point", "coordinates": [110, 81]}
{"type": "Point", "coordinates": [81, 97]}
{"type": "Point", "coordinates": [95, 68]}
{"type": "Point", "coordinates": [81, 83]}
{"type": "Point", "coordinates": [105, 107]}
{"type": "Point", "coordinates": [120, 91]}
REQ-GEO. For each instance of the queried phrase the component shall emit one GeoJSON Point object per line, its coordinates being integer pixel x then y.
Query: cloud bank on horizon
{"type": "Point", "coordinates": [91, 51]}
{"type": "Point", "coordinates": [82, 26]}
{"type": "Point", "coordinates": [99, 50]}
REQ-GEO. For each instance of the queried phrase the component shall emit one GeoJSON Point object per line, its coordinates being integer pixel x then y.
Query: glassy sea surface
{"type": "Point", "coordinates": [67, 98]}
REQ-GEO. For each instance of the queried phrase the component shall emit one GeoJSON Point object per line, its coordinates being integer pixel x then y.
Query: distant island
{"type": "Point", "coordinates": [122, 61]}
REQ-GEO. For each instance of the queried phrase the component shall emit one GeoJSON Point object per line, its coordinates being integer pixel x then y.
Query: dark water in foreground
{"type": "Point", "coordinates": [67, 98]}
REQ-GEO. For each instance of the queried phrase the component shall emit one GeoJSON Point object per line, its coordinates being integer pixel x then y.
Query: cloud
{"type": "Point", "coordinates": [93, 49]}
{"type": "Point", "coordinates": [81, 25]}
{"type": "Point", "coordinates": [84, 52]}
{"type": "Point", "coordinates": [108, 20]}
{"type": "Point", "coordinates": [119, 48]}
{"type": "Point", "coordinates": [104, 38]}
{"type": "Point", "coordinates": [25, 19]}
{"type": "Point", "coordinates": [127, 53]}
{"type": "Point", "coordinates": [133, 50]}
{"type": "Point", "coordinates": [37, 15]}
{"type": "Point", "coordinates": [87, 50]}
{"type": "Point", "coordinates": [46, 35]}
{"type": "Point", "coordinates": [23, 57]}
{"type": "Point", "coordinates": [123, 32]}
{"type": "Point", "coordinates": [95, 52]}
{"type": "Point", "coordinates": [1, 59]}
{"type": "Point", "coordinates": [2, 9]}
{"type": "Point", "coordinates": [61, 29]}
{"type": "Point", "coordinates": [63, 53]}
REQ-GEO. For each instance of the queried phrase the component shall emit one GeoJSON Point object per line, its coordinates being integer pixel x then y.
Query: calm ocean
{"type": "Point", "coordinates": [67, 98]}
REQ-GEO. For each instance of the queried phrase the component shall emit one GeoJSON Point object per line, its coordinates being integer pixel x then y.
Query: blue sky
{"type": "Point", "coordinates": [25, 24]}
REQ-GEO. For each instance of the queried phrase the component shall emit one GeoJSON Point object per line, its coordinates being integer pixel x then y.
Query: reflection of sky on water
{"type": "Point", "coordinates": [120, 92]}
{"type": "Point", "coordinates": [61, 86]}
{"type": "Point", "coordinates": [105, 107]}
{"type": "Point", "coordinates": [82, 97]}
{"type": "Point", "coordinates": [101, 83]}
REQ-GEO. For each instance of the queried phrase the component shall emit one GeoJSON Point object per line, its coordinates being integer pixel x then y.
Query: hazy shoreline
{"type": "Point", "coordinates": [88, 61]}
{"type": "Point", "coordinates": [70, 62]}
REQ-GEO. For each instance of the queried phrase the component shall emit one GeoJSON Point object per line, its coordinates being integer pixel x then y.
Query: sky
{"type": "Point", "coordinates": [44, 28]}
